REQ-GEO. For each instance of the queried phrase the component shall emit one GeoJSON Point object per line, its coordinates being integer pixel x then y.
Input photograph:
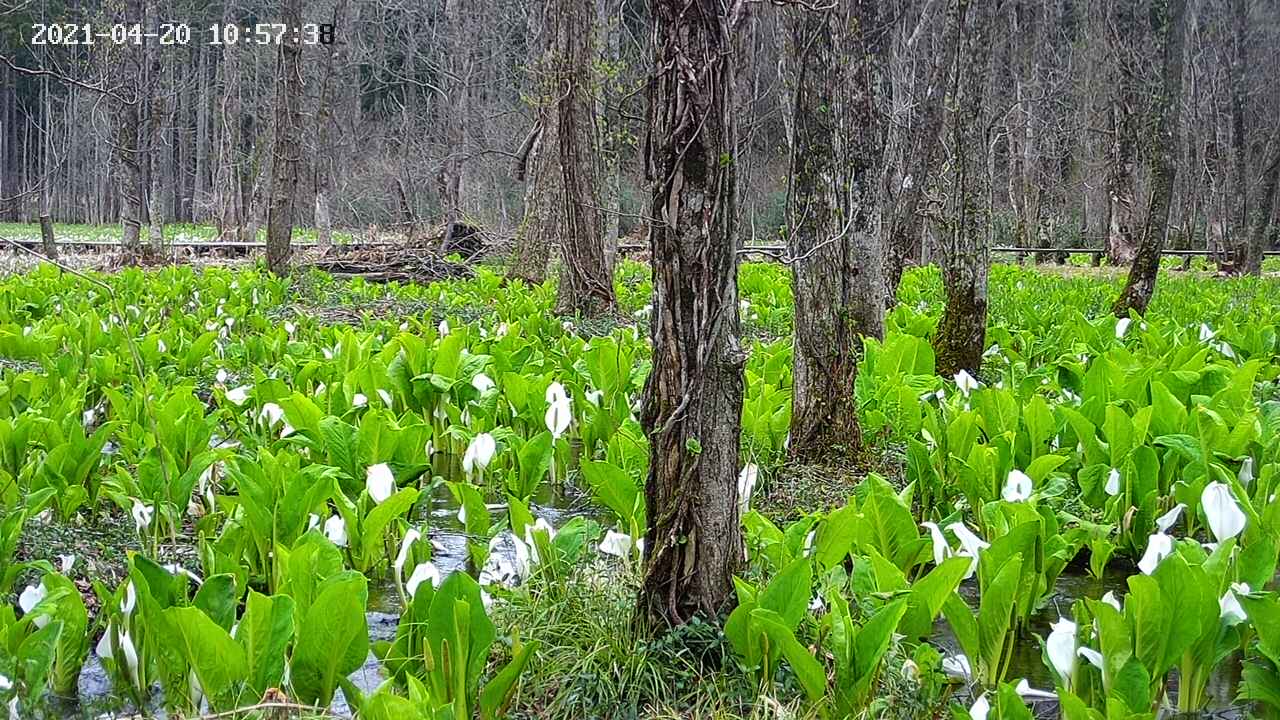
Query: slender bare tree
{"type": "Point", "coordinates": [1167, 24]}
{"type": "Point", "coordinates": [833, 218]}
{"type": "Point", "coordinates": [287, 148]}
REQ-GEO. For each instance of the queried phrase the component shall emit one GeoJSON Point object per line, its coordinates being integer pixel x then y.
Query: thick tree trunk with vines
{"type": "Point", "coordinates": [693, 396]}
{"type": "Point", "coordinates": [1168, 23]}
{"type": "Point", "coordinates": [586, 273]}
{"type": "Point", "coordinates": [833, 221]}
{"type": "Point", "coordinates": [965, 226]}
{"type": "Point", "coordinates": [287, 146]}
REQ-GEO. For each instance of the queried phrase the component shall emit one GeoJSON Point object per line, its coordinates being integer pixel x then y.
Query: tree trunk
{"type": "Point", "coordinates": [833, 222]}
{"type": "Point", "coordinates": [693, 395]}
{"type": "Point", "coordinates": [325, 150]}
{"type": "Point", "coordinates": [1264, 209]}
{"type": "Point", "coordinates": [454, 109]}
{"type": "Point", "coordinates": [48, 243]}
{"type": "Point", "coordinates": [155, 160]}
{"type": "Point", "coordinates": [964, 241]}
{"type": "Point", "coordinates": [904, 226]}
{"type": "Point", "coordinates": [1169, 29]}
{"type": "Point", "coordinates": [538, 162]}
{"type": "Point", "coordinates": [1122, 151]}
{"type": "Point", "coordinates": [287, 146]}
{"type": "Point", "coordinates": [128, 160]}
{"type": "Point", "coordinates": [1248, 255]}
{"type": "Point", "coordinates": [586, 274]}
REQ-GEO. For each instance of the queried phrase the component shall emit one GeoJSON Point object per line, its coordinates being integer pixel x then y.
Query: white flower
{"type": "Point", "coordinates": [1229, 609]}
{"type": "Point", "coordinates": [1169, 519]}
{"type": "Point", "coordinates": [221, 376]}
{"type": "Point", "coordinates": [957, 666]}
{"type": "Point", "coordinates": [359, 400]}
{"type": "Point", "coordinates": [1025, 691]}
{"type": "Point", "coordinates": [941, 550]}
{"type": "Point", "coordinates": [1093, 656]}
{"type": "Point", "coordinates": [971, 545]}
{"type": "Point", "coordinates": [160, 346]}
{"type": "Point", "coordinates": [965, 382]}
{"type": "Point", "coordinates": [558, 414]}
{"type": "Point", "coordinates": [594, 396]}
{"type": "Point", "coordinates": [5, 683]}
{"type": "Point", "coordinates": [410, 537]}
{"type": "Point", "coordinates": [380, 483]}
{"type": "Point", "coordinates": [746, 483]}
{"type": "Point", "coordinates": [993, 350]}
{"type": "Point", "coordinates": [422, 573]}
{"type": "Point", "coordinates": [271, 414]}
{"type": "Point", "coordinates": [1110, 599]}
{"type": "Point", "coordinates": [30, 598]}
{"type": "Point", "coordinates": [130, 599]}
{"type": "Point", "coordinates": [1017, 487]}
{"type": "Point", "coordinates": [1159, 547]}
{"type": "Point", "coordinates": [1226, 519]}
{"type": "Point", "coordinates": [1061, 649]}
{"type": "Point", "coordinates": [479, 453]}
{"type": "Point", "coordinates": [336, 530]}
{"type": "Point", "coordinates": [385, 397]}
{"type": "Point", "coordinates": [539, 525]}
{"type": "Point", "coordinates": [142, 515]}
{"type": "Point", "coordinates": [289, 327]}
{"type": "Point", "coordinates": [1246, 471]}
{"type": "Point", "coordinates": [238, 396]}
{"type": "Point", "coordinates": [482, 383]}
{"type": "Point", "coordinates": [443, 327]}
{"type": "Point", "coordinates": [1122, 326]}
{"type": "Point", "coordinates": [980, 707]}
{"type": "Point", "coordinates": [65, 563]}
{"type": "Point", "coordinates": [1226, 350]}
{"type": "Point", "coordinates": [1206, 333]}
{"type": "Point", "coordinates": [1113, 483]}
{"type": "Point", "coordinates": [616, 544]}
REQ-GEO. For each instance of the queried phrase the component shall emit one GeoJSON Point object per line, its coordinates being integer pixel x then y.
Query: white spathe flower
{"type": "Point", "coordinates": [594, 396]}
{"type": "Point", "coordinates": [289, 327]}
{"type": "Point", "coordinates": [239, 395]}
{"type": "Point", "coordinates": [1229, 609]}
{"type": "Point", "coordinates": [1169, 519]}
{"type": "Point", "coordinates": [130, 600]}
{"type": "Point", "coordinates": [406, 544]}
{"type": "Point", "coordinates": [965, 382]}
{"type": "Point", "coordinates": [271, 414]}
{"type": "Point", "coordinates": [443, 327]}
{"type": "Point", "coordinates": [1092, 656]}
{"type": "Point", "coordinates": [616, 544]}
{"type": "Point", "coordinates": [1111, 599]}
{"type": "Point", "coordinates": [1246, 471]}
{"type": "Point", "coordinates": [385, 397]}
{"type": "Point", "coordinates": [335, 528]}
{"type": "Point", "coordinates": [1112, 486]}
{"type": "Point", "coordinates": [1223, 513]}
{"type": "Point", "coordinates": [142, 515]}
{"type": "Point", "coordinates": [30, 598]}
{"type": "Point", "coordinates": [422, 573]}
{"type": "Point", "coordinates": [379, 481]}
{"type": "Point", "coordinates": [1206, 333]}
{"type": "Point", "coordinates": [746, 484]}
{"type": "Point", "coordinates": [1025, 691]}
{"type": "Point", "coordinates": [941, 550]}
{"type": "Point", "coordinates": [1122, 326]}
{"type": "Point", "coordinates": [160, 346]}
{"type": "Point", "coordinates": [359, 400]}
{"type": "Point", "coordinates": [65, 563]}
{"type": "Point", "coordinates": [1061, 649]}
{"type": "Point", "coordinates": [1159, 547]}
{"type": "Point", "coordinates": [957, 666]}
{"type": "Point", "coordinates": [1017, 487]}
{"type": "Point", "coordinates": [479, 453]}
{"type": "Point", "coordinates": [482, 383]}
{"type": "Point", "coordinates": [221, 376]}
{"type": "Point", "coordinates": [558, 415]}
{"type": "Point", "coordinates": [539, 525]}
{"type": "Point", "coordinates": [5, 683]}
{"type": "Point", "coordinates": [980, 707]}
{"type": "Point", "coordinates": [971, 545]}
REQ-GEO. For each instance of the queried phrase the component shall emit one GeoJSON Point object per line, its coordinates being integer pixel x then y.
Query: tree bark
{"type": "Point", "coordinates": [1167, 22]}
{"type": "Point", "coordinates": [965, 245]}
{"type": "Point", "coordinates": [539, 164]}
{"type": "Point", "coordinates": [693, 395]}
{"type": "Point", "coordinates": [128, 160]}
{"type": "Point", "coordinates": [1248, 254]}
{"type": "Point", "coordinates": [1122, 152]}
{"type": "Point", "coordinates": [48, 243]}
{"type": "Point", "coordinates": [833, 221]}
{"type": "Point", "coordinates": [1264, 209]}
{"type": "Point", "coordinates": [455, 109]}
{"type": "Point", "coordinates": [287, 146]}
{"type": "Point", "coordinates": [586, 274]}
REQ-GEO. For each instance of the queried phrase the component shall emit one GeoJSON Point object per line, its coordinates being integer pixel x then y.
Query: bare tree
{"type": "Point", "coordinates": [127, 126]}
{"type": "Point", "coordinates": [833, 220]}
{"type": "Point", "coordinates": [965, 245]}
{"type": "Point", "coordinates": [586, 273]}
{"type": "Point", "coordinates": [288, 143]}
{"type": "Point", "coordinates": [537, 162]}
{"type": "Point", "coordinates": [693, 395]}
{"type": "Point", "coordinates": [1167, 18]}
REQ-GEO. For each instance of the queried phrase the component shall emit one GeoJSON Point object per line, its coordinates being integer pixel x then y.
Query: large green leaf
{"type": "Point", "coordinates": [265, 630]}
{"type": "Point", "coordinates": [216, 659]}
{"type": "Point", "coordinates": [333, 639]}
